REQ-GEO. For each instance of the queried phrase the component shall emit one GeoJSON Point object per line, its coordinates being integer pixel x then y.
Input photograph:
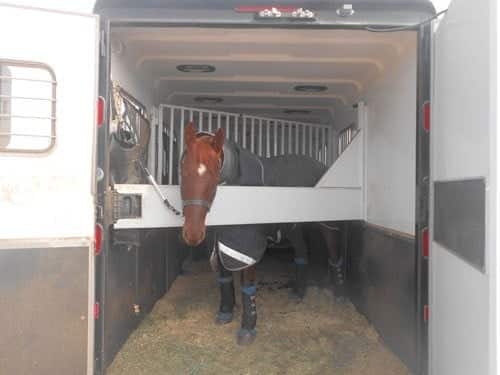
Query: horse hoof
{"type": "Point", "coordinates": [223, 318]}
{"type": "Point", "coordinates": [246, 336]}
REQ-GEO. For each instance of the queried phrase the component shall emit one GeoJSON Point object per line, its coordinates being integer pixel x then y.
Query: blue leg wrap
{"type": "Point", "coordinates": [249, 290]}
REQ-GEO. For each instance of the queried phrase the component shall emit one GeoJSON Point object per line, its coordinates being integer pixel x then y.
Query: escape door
{"type": "Point", "coordinates": [48, 80]}
{"type": "Point", "coordinates": [462, 252]}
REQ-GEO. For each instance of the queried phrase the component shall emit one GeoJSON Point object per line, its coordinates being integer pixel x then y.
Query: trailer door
{"type": "Point", "coordinates": [48, 80]}
{"type": "Point", "coordinates": [462, 253]}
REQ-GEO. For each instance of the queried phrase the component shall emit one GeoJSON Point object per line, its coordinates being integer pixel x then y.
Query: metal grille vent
{"type": "Point", "coordinates": [27, 107]}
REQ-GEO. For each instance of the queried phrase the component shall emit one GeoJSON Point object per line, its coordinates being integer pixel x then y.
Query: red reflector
{"type": "Point", "coordinates": [427, 116]}
{"type": "Point", "coordinates": [98, 239]}
{"type": "Point", "coordinates": [426, 313]}
{"type": "Point", "coordinates": [100, 111]}
{"type": "Point", "coordinates": [97, 310]}
{"type": "Point", "coordinates": [259, 8]}
{"type": "Point", "coordinates": [425, 243]}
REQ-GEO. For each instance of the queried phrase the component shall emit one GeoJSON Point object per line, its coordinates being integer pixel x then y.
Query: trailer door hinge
{"type": "Point", "coordinates": [99, 213]}
{"type": "Point", "coordinates": [126, 206]}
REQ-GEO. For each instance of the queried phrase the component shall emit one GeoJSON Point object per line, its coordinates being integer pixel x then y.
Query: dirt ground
{"type": "Point", "coordinates": [315, 336]}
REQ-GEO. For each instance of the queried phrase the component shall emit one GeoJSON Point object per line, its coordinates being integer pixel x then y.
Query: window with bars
{"type": "Point", "coordinates": [27, 107]}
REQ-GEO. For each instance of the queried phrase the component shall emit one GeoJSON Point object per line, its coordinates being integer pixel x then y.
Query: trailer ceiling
{"type": "Point", "coordinates": [257, 71]}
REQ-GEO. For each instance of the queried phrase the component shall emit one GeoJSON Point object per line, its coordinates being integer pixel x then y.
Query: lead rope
{"type": "Point", "coordinates": [166, 202]}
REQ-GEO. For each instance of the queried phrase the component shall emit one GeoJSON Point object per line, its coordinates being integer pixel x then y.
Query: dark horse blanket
{"type": "Point", "coordinates": [244, 245]}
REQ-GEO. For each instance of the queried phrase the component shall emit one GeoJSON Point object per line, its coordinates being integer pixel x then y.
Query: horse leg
{"type": "Point", "coordinates": [299, 245]}
{"type": "Point", "coordinates": [226, 287]}
{"type": "Point", "coordinates": [247, 332]}
{"type": "Point", "coordinates": [336, 262]}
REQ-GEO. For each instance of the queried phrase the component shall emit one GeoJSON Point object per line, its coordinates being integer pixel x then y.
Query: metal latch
{"type": "Point", "coordinates": [126, 206]}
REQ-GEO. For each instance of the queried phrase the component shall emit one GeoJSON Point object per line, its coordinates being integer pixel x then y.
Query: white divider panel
{"type": "Point", "coordinates": [347, 171]}
{"type": "Point", "coordinates": [263, 136]}
{"type": "Point", "coordinates": [236, 205]}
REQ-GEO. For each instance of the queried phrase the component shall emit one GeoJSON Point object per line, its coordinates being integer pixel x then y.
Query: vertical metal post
{"type": "Point", "coordinates": [275, 126]}
{"type": "Point", "coordinates": [158, 166]}
{"type": "Point", "coordinates": [323, 145]}
{"type": "Point", "coordinates": [316, 142]}
{"type": "Point", "coordinates": [252, 135]}
{"type": "Point", "coordinates": [328, 146]}
{"type": "Point", "coordinates": [235, 124]}
{"type": "Point", "coordinates": [181, 143]}
{"type": "Point", "coordinates": [283, 126]}
{"type": "Point", "coordinates": [303, 139]}
{"type": "Point", "coordinates": [200, 120]}
{"type": "Point", "coordinates": [260, 137]}
{"type": "Point", "coordinates": [296, 138]}
{"type": "Point", "coordinates": [332, 144]}
{"type": "Point", "coordinates": [290, 137]}
{"type": "Point", "coordinates": [171, 147]}
{"type": "Point", "coordinates": [244, 131]}
{"type": "Point", "coordinates": [310, 141]}
{"type": "Point", "coordinates": [268, 140]}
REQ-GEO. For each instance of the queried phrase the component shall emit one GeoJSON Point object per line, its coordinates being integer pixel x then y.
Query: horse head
{"type": "Point", "coordinates": [200, 172]}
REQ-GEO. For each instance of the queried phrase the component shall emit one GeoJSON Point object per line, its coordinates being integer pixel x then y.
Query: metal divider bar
{"type": "Point", "coordinates": [275, 136]}
{"type": "Point", "coordinates": [296, 138]}
{"type": "Point", "coordinates": [268, 143]}
{"type": "Point", "coordinates": [171, 147]}
{"type": "Point", "coordinates": [316, 144]}
{"type": "Point", "coordinates": [181, 144]}
{"type": "Point", "coordinates": [283, 126]}
{"type": "Point", "coordinates": [252, 135]}
{"type": "Point", "coordinates": [303, 139]}
{"type": "Point", "coordinates": [244, 131]}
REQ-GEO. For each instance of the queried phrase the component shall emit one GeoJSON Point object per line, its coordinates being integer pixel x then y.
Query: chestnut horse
{"type": "Point", "coordinates": [201, 171]}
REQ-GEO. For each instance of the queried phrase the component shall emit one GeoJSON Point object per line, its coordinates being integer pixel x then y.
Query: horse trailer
{"type": "Point", "coordinates": [398, 102]}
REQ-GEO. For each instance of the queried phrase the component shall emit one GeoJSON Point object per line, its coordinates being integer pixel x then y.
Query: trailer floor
{"type": "Point", "coordinates": [316, 336]}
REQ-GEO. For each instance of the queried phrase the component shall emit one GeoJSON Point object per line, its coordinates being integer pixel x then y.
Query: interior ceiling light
{"type": "Point", "coordinates": [297, 111]}
{"type": "Point", "coordinates": [310, 88]}
{"type": "Point", "coordinates": [195, 68]}
{"type": "Point", "coordinates": [207, 99]}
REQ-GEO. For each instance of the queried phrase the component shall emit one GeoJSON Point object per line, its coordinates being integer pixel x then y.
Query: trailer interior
{"type": "Point", "coordinates": [332, 77]}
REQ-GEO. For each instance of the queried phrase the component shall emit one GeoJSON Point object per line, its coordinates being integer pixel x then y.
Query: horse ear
{"type": "Point", "coordinates": [189, 134]}
{"type": "Point", "coordinates": [219, 140]}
